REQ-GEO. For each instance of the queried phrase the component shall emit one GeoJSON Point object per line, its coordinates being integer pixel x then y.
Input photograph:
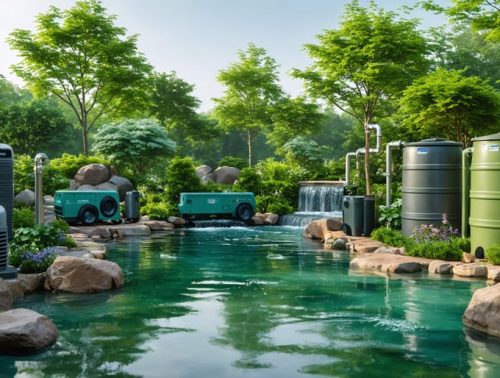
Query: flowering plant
{"type": "Point", "coordinates": [38, 261]}
{"type": "Point", "coordinates": [429, 233]}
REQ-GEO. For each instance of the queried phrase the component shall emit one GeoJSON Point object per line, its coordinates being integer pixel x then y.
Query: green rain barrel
{"type": "Point", "coordinates": [431, 183]}
{"type": "Point", "coordinates": [484, 194]}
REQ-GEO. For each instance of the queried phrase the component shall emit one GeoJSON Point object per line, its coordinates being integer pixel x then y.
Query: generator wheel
{"type": "Point", "coordinates": [108, 206]}
{"type": "Point", "coordinates": [88, 215]}
{"type": "Point", "coordinates": [244, 211]}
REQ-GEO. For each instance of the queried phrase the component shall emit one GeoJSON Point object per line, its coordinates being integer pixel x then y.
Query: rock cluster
{"type": "Point", "coordinates": [100, 177]}
{"type": "Point", "coordinates": [222, 175]}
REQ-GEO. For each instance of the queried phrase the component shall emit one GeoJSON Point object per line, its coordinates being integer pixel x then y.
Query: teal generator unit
{"type": "Point", "coordinates": [210, 205]}
{"type": "Point", "coordinates": [87, 207]}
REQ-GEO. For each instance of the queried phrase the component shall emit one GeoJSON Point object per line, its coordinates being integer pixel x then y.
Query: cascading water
{"type": "Point", "coordinates": [317, 200]}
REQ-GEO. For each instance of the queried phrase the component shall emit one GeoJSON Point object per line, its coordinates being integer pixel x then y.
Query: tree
{"type": "Point", "coordinates": [292, 117]}
{"type": "Point", "coordinates": [482, 14]}
{"type": "Point", "coordinates": [371, 58]}
{"type": "Point", "coordinates": [468, 51]}
{"type": "Point", "coordinates": [252, 88]}
{"type": "Point", "coordinates": [134, 145]}
{"type": "Point", "coordinates": [449, 104]}
{"type": "Point", "coordinates": [172, 101]}
{"type": "Point", "coordinates": [81, 57]}
{"type": "Point", "coordinates": [34, 126]}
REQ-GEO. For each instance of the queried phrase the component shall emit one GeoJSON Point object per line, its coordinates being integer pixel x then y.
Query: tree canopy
{"type": "Point", "coordinates": [449, 104]}
{"type": "Point", "coordinates": [81, 57]}
{"type": "Point", "coordinates": [252, 88]}
{"type": "Point", "coordinates": [370, 58]}
{"type": "Point", "coordinates": [133, 145]}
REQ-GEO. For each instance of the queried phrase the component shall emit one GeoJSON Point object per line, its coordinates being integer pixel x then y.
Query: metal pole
{"type": "Point", "coordinates": [40, 160]}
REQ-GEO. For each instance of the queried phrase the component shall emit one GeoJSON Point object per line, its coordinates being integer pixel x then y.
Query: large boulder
{"type": "Point", "coordinates": [93, 174]}
{"type": "Point", "coordinates": [86, 187]}
{"type": "Point", "coordinates": [107, 186]}
{"type": "Point", "coordinates": [226, 175]}
{"type": "Point", "coordinates": [483, 312]}
{"type": "Point", "coordinates": [5, 296]}
{"type": "Point", "coordinates": [25, 331]}
{"type": "Point", "coordinates": [203, 170]}
{"type": "Point", "coordinates": [25, 197]}
{"type": "Point", "coordinates": [123, 185]}
{"type": "Point", "coordinates": [83, 275]}
{"type": "Point", "coordinates": [321, 229]}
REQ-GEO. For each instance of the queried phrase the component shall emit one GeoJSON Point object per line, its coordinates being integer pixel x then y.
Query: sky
{"type": "Point", "coordinates": [198, 38]}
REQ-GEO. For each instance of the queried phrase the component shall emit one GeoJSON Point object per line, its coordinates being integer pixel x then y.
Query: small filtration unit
{"type": "Point", "coordinates": [431, 184]}
{"type": "Point", "coordinates": [481, 196]}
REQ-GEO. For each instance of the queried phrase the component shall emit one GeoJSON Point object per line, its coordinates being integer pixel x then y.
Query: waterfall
{"type": "Point", "coordinates": [317, 200]}
{"type": "Point", "coordinates": [322, 198]}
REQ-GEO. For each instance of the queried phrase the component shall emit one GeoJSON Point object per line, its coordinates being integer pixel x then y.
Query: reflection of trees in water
{"type": "Point", "coordinates": [121, 322]}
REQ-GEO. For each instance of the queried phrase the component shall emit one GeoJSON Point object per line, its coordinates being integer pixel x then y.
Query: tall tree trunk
{"type": "Point", "coordinates": [249, 142]}
{"type": "Point", "coordinates": [367, 159]}
{"type": "Point", "coordinates": [85, 139]}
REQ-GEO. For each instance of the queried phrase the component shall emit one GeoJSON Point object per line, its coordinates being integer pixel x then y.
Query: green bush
{"type": "Point", "coordinates": [181, 177]}
{"type": "Point", "coordinates": [23, 217]}
{"type": "Point", "coordinates": [493, 254]}
{"type": "Point", "coordinates": [249, 181]}
{"type": "Point", "coordinates": [67, 165]}
{"type": "Point", "coordinates": [280, 208]}
{"type": "Point", "coordinates": [391, 216]}
{"type": "Point", "coordinates": [392, 237]}
{"type": "Point", "coordinates": [24, 176]}
{"type": "Point", "coordinates": [158, 211]}
{"type": "Point", "coordinates": [233, 161]}
{"type": "Point", "coordinates": [438, 250]}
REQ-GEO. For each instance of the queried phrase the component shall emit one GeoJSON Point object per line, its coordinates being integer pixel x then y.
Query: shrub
{"type": "Point", "coordinates": [280, 208]}
{"type": "Point", "coordinates": [493, 254]}
{"type": "Point", "coordinates": [181, 177]}
{"type": "Point", "coordinates": [392, 237]}
{"type": "Point", "coordinates": [37, 262]}
{"type": "Point", "coordinates": [438, 250]}
{"type": "Point", "coordinates": [428, 233]}
{"type": "Point", "coordinates": [23, 217]}
{"type": "Point", "coordinates": [391, 216]}
{"type": "Point", "coordinates": [249, 181]}
{"type": "Point", "coordinates": [158, 210]}
{"type": "Point", "coordinates": [24, 176]}
{"type": "Point", "coordinates": [233, 161]}
{"type": "Point", "coordinates": [67, 165]}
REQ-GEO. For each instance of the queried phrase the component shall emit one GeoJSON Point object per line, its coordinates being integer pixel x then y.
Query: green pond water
{"type": "Point", "coordinates": [257, 302]}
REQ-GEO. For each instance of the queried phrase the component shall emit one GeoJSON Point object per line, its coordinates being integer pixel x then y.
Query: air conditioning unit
{"type": "Point", "coordinates": [6, 272]}
{"type": "Point", "coordinates": [87, 207]}
{"type": "Point", "coordinates": [7, 184]}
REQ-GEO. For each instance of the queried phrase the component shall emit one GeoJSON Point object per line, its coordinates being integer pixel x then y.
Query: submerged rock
{"type": "Point", "coordinates": [83, 275]}
{"type": "Point", "coordinates": [483, 312]}
{"type": "Point", "coordinates": [24, 331]}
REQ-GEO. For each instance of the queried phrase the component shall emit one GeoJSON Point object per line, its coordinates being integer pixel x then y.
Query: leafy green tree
{"type": "Point", "coordinates": [449, 104]}
{"type": "Point", "coordinates": [292, 117]}
{"type": "Point", "coordinates": [364, 63]}
{"type": "Point", "coordinates": [482, 14]}
{"type": "Point", "coordinates": [172, 101]}
{"type": "Point", "coordinates": [252, 88]}
{"type": "Point", "coordinates": [468, 51]}
{"type": "Point", "coordinates": [134, 145]}
{"type": "Point", "coordinates": [81, 57]}
{"type": "Point", "coordinates": [34, 126]}
{"type": "Point", "coordinates": [305, 152]}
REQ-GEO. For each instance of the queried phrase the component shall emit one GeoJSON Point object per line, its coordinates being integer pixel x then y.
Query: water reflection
{"type": "Point", "coordinates": [263, 303]}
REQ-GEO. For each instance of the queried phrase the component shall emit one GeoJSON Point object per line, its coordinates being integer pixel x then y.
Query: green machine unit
{"type": "Point", "coordinates": [206, 205]}
{"type": "Point", "coordinates": [87, 207]}
{"type": "Point", "coordinates": [481, 193]}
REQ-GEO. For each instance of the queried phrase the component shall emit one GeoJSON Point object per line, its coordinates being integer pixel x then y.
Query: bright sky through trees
{"type": "Point", "coordinates": [197, 38]}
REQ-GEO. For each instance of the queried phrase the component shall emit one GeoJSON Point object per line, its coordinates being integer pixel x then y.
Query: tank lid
{"type": "Point", "coordinates": [488, 137]}
{"type": "Point", "coordinates": [435, 142]}
{"type": "Point", "coordinates": [5, 147]}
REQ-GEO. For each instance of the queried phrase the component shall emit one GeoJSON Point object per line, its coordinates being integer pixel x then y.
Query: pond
{"type": "Point", "coordinates": [257, 302]}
